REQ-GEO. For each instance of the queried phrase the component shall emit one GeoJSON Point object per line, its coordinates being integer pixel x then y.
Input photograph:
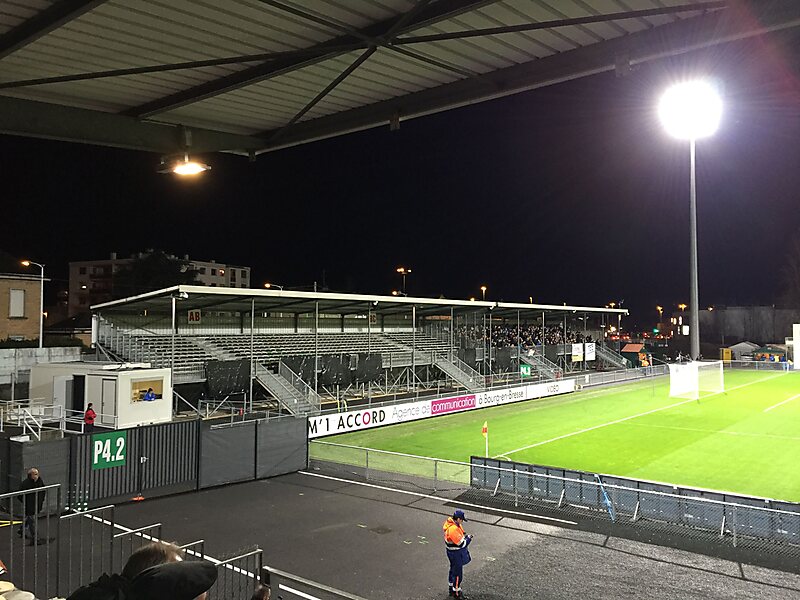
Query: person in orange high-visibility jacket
{"type": "Point", "coordinates": [456, 542]}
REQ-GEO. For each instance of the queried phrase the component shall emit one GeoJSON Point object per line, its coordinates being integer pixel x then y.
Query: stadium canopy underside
{"type": "Point", "coordinates": [285, 301]}
{"type": "Point", "coordinates": [253, 76]}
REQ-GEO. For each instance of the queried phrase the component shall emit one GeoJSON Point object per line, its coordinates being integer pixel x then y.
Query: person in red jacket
{"type": "Point", "coordinates": [88, 419]}
{"type": "Point", "coordinates": [456, 542]}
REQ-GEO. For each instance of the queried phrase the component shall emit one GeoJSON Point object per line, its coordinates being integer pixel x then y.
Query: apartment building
{"type": "Point", "coordinates": [19, 302]}
{"type": "Point", "coordinates": [92, 281]}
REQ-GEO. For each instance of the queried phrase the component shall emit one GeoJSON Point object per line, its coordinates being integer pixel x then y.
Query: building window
{"type": "Point", "coordinates": [82, 270]}
{"type": "Point", "coordinates": [16, 305]}
{"type": "Point", "coordinates": [202, 270]}
{"type": "Point", "coordinates": [213, 272]}
{"type": "Point", "coordinates": [244, 274]}
{"type": "Point", "coordinates": [233, 275]}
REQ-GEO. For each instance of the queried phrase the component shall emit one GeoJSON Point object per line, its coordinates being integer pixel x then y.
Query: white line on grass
{"type": "Point", "coordinates": [440, 498]}
{"type": "Point", "coordinates": [780, 403]}
{"type": "Point", "coordinates": [722, 431]}
{"type": "Point", "coordinates": [655, 410]}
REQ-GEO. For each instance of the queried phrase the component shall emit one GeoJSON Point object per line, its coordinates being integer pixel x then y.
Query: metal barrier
{"type": "Point", "coordinates": [32, 562]}
{"type": "Point", "coordinates": [85, 547]}
{"type": "Point", "coordinates": [237, 577]}
{"type": "Point", "coordinates": [286, 586]}
{"type": "Point", "coordinates": [756, 523]}
{"type": "Point", "coordinates": [128, 542]}
{"type": "Point", "coordinates": [739, 521]}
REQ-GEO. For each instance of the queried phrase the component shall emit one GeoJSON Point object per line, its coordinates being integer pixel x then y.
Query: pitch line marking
{"type": "Point", "coordinates": [439, 498]}
{"type": "Point", "coordinates": [722, 431]}
{"type": "Point", "coordinates": [655, 410]}
{"type": "Point", "coordinates": [780, 403]}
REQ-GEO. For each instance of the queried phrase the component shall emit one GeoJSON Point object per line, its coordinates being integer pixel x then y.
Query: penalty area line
{"type": "Point", "coordinates": [795, 397]}
{"type": "Point", "coordinates": [440, 498]}
{"type": "Point", "coordinates": [649, 412]}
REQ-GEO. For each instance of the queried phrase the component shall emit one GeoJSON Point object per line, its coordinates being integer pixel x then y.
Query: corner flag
{"type": "Point", "coordinates": [485, 433]}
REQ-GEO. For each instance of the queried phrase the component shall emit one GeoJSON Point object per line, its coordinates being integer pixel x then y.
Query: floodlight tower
{"type": "Point", "coordinates": [689, 111]}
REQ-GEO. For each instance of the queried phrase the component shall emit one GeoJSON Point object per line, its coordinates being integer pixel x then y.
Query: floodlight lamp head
{"type": "Point", "coordinates": [690, 110]}
{"type": "Point", "coordinates": [182, 165]}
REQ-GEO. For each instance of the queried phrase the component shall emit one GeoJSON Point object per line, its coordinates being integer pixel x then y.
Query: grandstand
{"type": "Point", "coordinates": [309, 348]}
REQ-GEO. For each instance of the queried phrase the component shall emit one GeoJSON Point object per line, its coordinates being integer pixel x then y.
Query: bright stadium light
{"type": "Point", "coordinates": [183, 166]}
{"type": "Point", "coordinates": [689, 111]}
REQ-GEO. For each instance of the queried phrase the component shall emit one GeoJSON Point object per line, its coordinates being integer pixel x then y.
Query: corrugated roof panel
{"type": "Point", "coordinates": [352, 14]}
{"type": "Point", "coordinates": [16, 12]}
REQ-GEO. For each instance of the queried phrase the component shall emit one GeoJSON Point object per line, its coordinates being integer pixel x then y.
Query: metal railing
{"type": "Point", "coordinates": [287, 586]}
{"type": "Point", "coordinates": [237, 577]}
{"type": "Point", "coordinates": [759, 524]}
{"type": "Point", "coordinates": [301, 386]}
{"type": "Point", "coordinates": [711, 517]}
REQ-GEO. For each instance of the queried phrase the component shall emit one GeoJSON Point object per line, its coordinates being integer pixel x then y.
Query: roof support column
{"type": "Point", "coordinates": [252, 348]}
{"type": "Point", "coordinates": [316, 345]}
{"type": "Point", "coordinates": [172, 343]}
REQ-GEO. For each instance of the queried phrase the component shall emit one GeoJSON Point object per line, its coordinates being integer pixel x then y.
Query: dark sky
{"type": "Point", "coordinates": [571, 193]}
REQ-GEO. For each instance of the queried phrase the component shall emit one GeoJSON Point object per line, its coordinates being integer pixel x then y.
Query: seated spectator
{"type": "Point", "coordinates": [150, 555]}
{"type": "Point", "coordinates": [175, 581]}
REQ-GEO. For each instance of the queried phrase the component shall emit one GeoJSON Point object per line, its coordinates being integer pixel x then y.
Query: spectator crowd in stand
{"type": "Point", "coordinates": [529, 335]}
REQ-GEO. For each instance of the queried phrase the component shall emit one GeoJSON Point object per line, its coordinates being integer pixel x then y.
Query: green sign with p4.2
{"type": "Point", "coordinates": [109, 449]}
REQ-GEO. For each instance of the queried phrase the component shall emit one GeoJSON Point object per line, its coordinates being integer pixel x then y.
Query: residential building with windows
{"type": "Point", "coordinates": [19, 303]}
{"type": "Point", "coordinates": [91, 281]}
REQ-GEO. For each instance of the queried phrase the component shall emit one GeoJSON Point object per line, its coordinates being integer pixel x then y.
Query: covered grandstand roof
{"type": "Point", "coordinates": [241, 300]}
{"type": "Point", "coordinates": [252, 76]}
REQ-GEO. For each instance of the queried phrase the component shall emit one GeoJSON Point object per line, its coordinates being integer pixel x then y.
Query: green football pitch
{"type": "Point", "coordinates": [745, 440]}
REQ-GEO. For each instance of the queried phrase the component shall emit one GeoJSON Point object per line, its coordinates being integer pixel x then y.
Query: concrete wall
{"type": "Point", "coordinates": [20, 360]}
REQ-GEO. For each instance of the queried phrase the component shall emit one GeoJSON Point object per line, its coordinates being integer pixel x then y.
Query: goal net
{"type": "Point", "coordinates": [688, 380]}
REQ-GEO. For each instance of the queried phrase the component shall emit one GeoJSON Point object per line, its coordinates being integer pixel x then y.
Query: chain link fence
{"type": "Point", "coordinates": [709, 518]}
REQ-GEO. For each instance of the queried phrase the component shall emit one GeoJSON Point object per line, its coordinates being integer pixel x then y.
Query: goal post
{"type": "Point", "coordinates": [688, 380]}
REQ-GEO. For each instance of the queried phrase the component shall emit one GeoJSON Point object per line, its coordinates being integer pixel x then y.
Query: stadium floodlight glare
{"type": "Point", "coordinates": [690, 110]}
{"type": "Point", "coordinates": [183, 166]}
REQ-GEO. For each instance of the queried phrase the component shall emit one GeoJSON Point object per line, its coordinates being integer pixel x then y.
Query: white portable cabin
{"type": "Point", "coordinates": [116, 390]}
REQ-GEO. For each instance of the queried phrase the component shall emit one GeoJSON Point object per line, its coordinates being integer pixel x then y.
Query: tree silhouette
{"type": "Point", "coordinates": [153, 271]}
{"type": "Point", "coordinates": [791, 274]}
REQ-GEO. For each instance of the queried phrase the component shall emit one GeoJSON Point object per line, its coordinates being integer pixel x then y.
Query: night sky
{"type": "Point", "coordinates": [572, 193]}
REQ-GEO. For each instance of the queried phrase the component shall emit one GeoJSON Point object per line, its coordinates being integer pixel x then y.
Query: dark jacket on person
{"type": "Point", "coordinates": [33, 502]}
{"type": "Point", "coordinates": [183, 580]}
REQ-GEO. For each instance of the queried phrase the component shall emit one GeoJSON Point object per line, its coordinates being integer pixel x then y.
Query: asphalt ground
{"type": "Point", "coordinates": [381, 543]}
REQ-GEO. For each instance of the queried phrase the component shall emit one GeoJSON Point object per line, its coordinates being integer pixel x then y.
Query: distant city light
{"type": "Point", "coordinates": [690, 110]}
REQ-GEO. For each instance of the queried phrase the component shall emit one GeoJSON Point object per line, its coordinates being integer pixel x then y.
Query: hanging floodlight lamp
{"type": "Point", "coordinates": [182, 164]}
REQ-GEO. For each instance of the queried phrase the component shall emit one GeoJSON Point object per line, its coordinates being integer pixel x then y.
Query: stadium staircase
{"type": "Point", "coordinates": [289, 390]}
{"type": "Point", "coordinates": [545, 368]}
{"type": "Point", "coordinates": [612, 358]}
{"type": "Point", "coordinates": [460, 372]}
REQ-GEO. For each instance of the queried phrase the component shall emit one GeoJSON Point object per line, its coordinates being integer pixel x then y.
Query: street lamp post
{"type": "Point", "coordinates": [28, 263]}
{"type": "Point", "coordinates": [403, 271]}
{"type": "Point", "coordinates": [483, 292]}
{"type": "Point", "coordinates": [691, 110]}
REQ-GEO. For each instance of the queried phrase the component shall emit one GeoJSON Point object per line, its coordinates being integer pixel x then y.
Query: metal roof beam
{"type": "Point", "coordinates": [440, 11]}
{"type": "Point", "coordinates": [51, 121]}
{"type": "Point", "coordinates": [601, 18]}
{"type": "Point", "coordinates": [51, 18]}
{"type": "Point", "coordinates": [664, 41]}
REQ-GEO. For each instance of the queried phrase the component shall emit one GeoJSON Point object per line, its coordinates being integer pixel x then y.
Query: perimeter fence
{"type": "Point", "coordinates": [712, 518]}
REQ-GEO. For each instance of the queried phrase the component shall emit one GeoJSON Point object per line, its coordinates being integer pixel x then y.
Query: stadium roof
{"type": "Point", "coordinates": [250, 76]}
{"type": "Point", "coordinates": [241, 300]}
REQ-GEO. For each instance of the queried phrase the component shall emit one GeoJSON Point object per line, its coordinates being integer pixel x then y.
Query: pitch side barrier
{"type": "Point", "coordinates": [391, 413]}
{"type": "Point", "coordinates": [758, 524]}
{"type": "Point", "coordinates": [367, 418]}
